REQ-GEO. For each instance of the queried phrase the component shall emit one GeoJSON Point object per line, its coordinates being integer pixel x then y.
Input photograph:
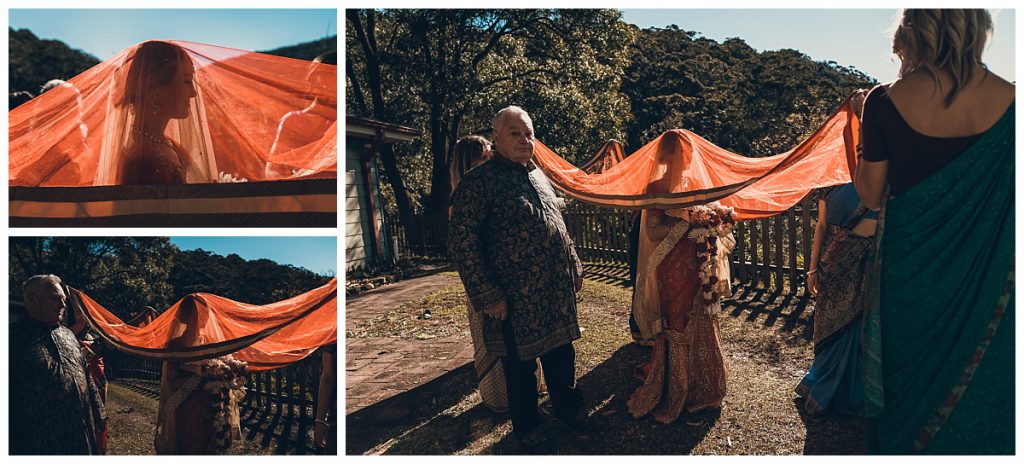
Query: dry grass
{"type": "Point", "coordinates": [765, 358]}
{"type": "Point", "coordinates": [132, 417]}
{"type": "Point", "coordinates": [447, 317]}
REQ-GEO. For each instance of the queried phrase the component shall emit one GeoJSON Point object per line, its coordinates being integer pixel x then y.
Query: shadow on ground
{"type": "Point", "coordinates": [445, 417]}
{"type": "Point", "coordinates": [416, 423]}
{"type": "Point", "coordinates": [272, 428]}
{"type": "Point", "coordinates": [822, 430]}
{"type": "Point", "coordinates": [790, 309]}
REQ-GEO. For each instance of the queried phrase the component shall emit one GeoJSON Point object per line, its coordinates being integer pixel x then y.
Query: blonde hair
{"type": "Point", "coordinates": [942, 40]}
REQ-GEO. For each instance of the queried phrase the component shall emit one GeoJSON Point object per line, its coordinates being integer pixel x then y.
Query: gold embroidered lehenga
{"type": "Point", "coordinates": [682, 279]}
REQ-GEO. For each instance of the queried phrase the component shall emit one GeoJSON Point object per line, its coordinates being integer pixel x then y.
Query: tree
{"type": "Point", "coordinates": [748, 102]}
{"type": "Point", "coordinates": [364, 78]}
{"type": "Point", "coordinates": [124, 274]}
{"type": "Point", "coordinates": [34, 62]}
{"type": "Point", "coordinates": [450, 70]}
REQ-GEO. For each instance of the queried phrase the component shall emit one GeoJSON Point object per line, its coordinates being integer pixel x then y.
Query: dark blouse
{"type": "Point", "coordinates": [912, 156]}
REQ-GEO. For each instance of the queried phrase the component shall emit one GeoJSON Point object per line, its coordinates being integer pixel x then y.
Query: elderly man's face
{"type": "Point", "coordinates": [47, 303]}
{"type": "Point", "coordinates": [514, 138]}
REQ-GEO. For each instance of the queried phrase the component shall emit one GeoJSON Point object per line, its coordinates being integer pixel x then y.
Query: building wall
{"type": "Point", "coordinates": [356, 218]}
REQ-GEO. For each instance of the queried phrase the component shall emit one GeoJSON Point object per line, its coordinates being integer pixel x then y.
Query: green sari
{"type": "Point", "coordinates": [939, 329]}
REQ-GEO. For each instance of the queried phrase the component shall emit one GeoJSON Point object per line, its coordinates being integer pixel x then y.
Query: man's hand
{"type": "Point", "coordinates": [498, 310]}
{"type": "Point", "coordinates": [578, 284]}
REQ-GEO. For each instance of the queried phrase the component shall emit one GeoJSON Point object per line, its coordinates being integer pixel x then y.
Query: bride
{"type": "Point", "coordinates": [156, 122]}
{"type": "Point", "coordinates": [198, 398]}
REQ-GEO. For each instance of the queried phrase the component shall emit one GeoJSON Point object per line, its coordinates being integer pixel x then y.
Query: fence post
{"type": "Point", "coordinates": [792, 249]}
{"type": "Point", "coordinates": [777, 223]}
{"type": "Point", "coordinates": [741, 250]}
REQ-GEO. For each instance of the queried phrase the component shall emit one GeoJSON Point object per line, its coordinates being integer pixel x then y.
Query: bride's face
{"type": "Point", "coordinates": [174, 97]}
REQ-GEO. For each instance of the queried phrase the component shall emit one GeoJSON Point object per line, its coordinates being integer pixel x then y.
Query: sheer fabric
{"type": "Point", "coordinates": [692, 170]}
{"type": "Point", "coordinates": [179, 112]}
{"type": "Point", "coordinates": [204, 326]}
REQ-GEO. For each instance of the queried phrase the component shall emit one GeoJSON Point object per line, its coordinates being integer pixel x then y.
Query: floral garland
{"type": "Point", "coordinates": [224, 378]}
{"type": "Point", "coordinates": [709, 223]}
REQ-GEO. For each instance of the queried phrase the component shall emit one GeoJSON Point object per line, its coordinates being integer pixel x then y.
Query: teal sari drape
{"type": "Point", "coordinates": [939, 327]}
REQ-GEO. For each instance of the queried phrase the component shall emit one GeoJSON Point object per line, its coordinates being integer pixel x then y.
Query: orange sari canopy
{"type": "Point", "coordinates": [202, 326]}
{"type": "Point", "coordinates": [229, 115]}
{"type": "Point", "coordinates": [680, 169]}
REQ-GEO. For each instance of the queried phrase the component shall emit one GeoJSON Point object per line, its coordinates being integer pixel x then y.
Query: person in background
{"type": "Point", "coordinates": [472, 151]}
{"type": "Point", "coordinates": [325, 432]}
{"type": "Point", "coordinates": [840, 257]}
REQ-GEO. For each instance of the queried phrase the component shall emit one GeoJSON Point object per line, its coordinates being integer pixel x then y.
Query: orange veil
{"type": "Point", "coordinates": [266, 337]}
{"type": "Point", "coordinates": [205, 113]}
{"type": "Point", "coordinates": [680, 169]}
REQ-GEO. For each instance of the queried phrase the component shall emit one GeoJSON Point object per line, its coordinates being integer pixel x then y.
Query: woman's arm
{"type": "Point", "coordinates": [873, 154]}
{"type": "Point", "coordinates": [819, 237]}
{"type": "Point", "coordinates": [870, 182]}
{"type": "Point", "coordinates": [326, 392]}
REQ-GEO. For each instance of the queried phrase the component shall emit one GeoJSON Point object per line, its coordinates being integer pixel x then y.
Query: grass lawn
{"type": "Point", "coordinates": [767, 351]}
{"type": "Point", "coordinates": [131, 418]}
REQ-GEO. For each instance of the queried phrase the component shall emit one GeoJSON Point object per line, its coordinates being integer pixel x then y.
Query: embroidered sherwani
{"type": "Point", "coordinates": [510, 243]}
{"type": "Point", "coordinates": [55, 408]}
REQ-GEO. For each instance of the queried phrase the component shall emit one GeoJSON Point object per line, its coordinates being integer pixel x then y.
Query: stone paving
{"type": "Point", "coordinates": [379, 368]}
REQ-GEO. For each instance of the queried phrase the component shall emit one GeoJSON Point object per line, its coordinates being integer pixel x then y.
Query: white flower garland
{"type": "Point", "coordinates": [224, 378]}
{"type": "Point", "coordinates": [709, 223]}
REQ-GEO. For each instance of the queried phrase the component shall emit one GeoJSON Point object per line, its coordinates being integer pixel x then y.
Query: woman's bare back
{"type": "Point", "coordinates": [976, 108]}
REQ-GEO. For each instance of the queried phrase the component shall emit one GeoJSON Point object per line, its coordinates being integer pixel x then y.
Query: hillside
{"type": "Point", "coordinates": [34, 62]}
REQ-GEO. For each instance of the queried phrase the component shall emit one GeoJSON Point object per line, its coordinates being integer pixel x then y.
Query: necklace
{"type": "Point", "coordinates": [152, 138]}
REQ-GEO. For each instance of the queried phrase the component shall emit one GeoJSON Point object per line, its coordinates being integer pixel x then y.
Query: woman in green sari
{"type": "Point", "coordinates": [939, 328]}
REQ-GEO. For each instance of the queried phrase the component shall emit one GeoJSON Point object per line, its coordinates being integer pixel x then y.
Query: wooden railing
{"type": "Point", "coordinates": [428, 239]}
{"type": "Point", "coordinates": [770, 253]}
{"type": "Point", "coordinates": [279, 404]}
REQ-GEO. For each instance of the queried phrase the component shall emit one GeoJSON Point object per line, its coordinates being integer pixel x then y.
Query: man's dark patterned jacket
{"type": "Point", "coordinates": [55, 408]}
{"type": "Point", "coordinates": [510, 243]}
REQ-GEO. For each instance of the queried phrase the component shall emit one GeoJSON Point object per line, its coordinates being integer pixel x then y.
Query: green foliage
{"type": "Point", "coordinates": [749, 102]}
{"type": "Point", "coordinates": [34, 62]}
{"type": "Point", "coordinates": [448, 71]}
{"type": "Point", "coordinates": [584, 76]}
{"type": "Point", "coordinates": [259, 281]}
{"type": "Point", "coordinates": [125, 274]}
{"type": "Point", "coordinates": [307, 50]}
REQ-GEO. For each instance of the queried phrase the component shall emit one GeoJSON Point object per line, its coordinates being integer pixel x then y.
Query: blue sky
{"type": "Point", "coordinates": [318, 254]}
{"type": "Point", "coordinates": [859, 38]}
{"type": "Point", "coordinates": [105, 32]}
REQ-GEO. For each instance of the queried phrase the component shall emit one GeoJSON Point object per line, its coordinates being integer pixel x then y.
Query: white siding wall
{"type": "Point", "coordinates": [355, 243]}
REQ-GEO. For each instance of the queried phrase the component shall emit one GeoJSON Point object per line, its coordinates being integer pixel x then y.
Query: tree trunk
{"type": "Point", "coordinates": [440, 184]}
{"type": "Point", "coordinates": [367, 40]}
